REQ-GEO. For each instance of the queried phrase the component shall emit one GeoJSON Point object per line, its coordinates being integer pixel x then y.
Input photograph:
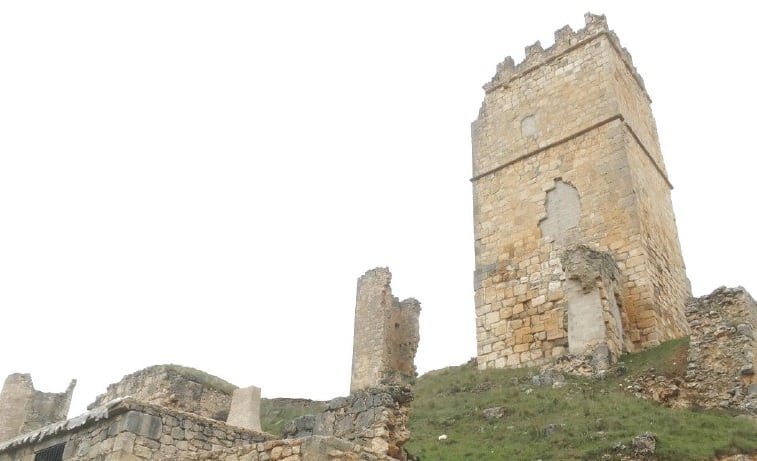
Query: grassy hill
{"type": "Point", "coordinates": [585, 419]}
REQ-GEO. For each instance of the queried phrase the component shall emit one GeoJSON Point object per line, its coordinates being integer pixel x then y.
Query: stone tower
{"type": "Point", "coordinates": [575, 239]}
{"type": "Point", "coordinates": [24, 409]}
{"type": "Point", "coordinates": [386, 333]}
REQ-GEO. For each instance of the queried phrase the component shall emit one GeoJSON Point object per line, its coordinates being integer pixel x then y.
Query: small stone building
{"type": "Point", "coordinates": [170, 412]}
{"type": "Point", "coordinates": [576, 245]}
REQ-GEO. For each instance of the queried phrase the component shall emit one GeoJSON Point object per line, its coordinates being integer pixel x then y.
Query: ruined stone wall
{"type": "Point", "coordinates": [274, 450]}
{"type": "Point", "coordinates": [24, 409]}
{"type": "Point", "coordinates": [368, 425]}
{"type": "Point", "coordinates": [373, 420]}
{"type": "Point", "coordinates": [176, 387]}
{"type": "Point", "coordinates": [555, 165]}
{"type": "Point", "coordinates": [311, 448]}
{"type": "Point", "coordinates": [723, 350]}
{"type": "Point", "coordinates": [130, 430]}
{"type": "Point", "coordinates": [593, 289]}
{"type": "Point", "coordinates": [386, 333]}
{"type": "Point", "coordinates": [719, 369]}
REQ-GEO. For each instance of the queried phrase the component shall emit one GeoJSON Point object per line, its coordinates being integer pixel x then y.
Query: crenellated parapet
{"type": "Point", "coordinates": [565, 39]}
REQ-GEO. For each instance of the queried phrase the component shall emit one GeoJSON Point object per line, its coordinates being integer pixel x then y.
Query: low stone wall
{"type": "Point", "coordinates": [130, 430]}
{"type": "Point", "coordinates": [374, 420]}
{"type": "Point", "coordinates": [174, 386]}
{"type": "Point", "coordinates": [274, 450]}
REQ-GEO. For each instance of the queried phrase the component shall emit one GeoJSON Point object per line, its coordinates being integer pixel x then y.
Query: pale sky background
{"type": "Point", "coordinates": [202, 183]}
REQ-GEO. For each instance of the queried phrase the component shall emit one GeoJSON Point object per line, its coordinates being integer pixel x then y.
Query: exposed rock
{"type": "Point", "coordinates": [548, 378]}
{"type": "Point", "coordinates": [644, 444]}
{"type": "Point", "coordinates": [494, 413]}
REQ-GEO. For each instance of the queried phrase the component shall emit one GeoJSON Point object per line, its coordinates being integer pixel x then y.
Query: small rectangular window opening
{"type": "Point", "coordinates": [54, 453]}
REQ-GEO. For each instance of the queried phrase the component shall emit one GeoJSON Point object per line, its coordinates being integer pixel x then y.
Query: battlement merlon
{"type": "Point", "coordinates": [565, 40]}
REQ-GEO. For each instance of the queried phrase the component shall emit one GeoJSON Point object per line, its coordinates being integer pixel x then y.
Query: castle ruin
{"type": "Point", "coordinates": [576, 253]}
{"type": "Point", "coordinates": [386, 333]}
{"type": "Point", "coordinates": [24, 409]}
{"type": "Point", "coordinates": [576, 246]}
{"type": "Point", "coordinates": [170, 412]}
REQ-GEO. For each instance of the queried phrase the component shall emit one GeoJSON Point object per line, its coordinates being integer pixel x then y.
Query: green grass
{"type": "Point", "coordinates": [274, 413]}
{"type": "Point", "coordinates": [668, 359]}
{"type": "Point", "coordinates": [581, 421]}
{"type": "Point", "coordinates": [206, 379]}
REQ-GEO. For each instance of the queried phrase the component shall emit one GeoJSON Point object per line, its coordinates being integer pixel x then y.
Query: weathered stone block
{"type": "Point", "coordinates": [142, 424]}
{"type": "Point", "coordinates": [245, 408]}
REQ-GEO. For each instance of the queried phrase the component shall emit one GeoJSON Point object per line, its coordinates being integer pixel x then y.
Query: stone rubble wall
{"type": "Point", "coordinates": [723, 346]}
{"type": "Point", "coordinates": [573, 117]}
{"type": "Point", "coordinates": [720, 363]}
{"type": "Point", "coordinates": [310, 448]}
{"type": "Point", "coordinates": [373, 420]}
{"type": "Point", "coordinates": [24, 409]}
{"type": "Point", "coordinates": [129, 430]}
{"type": "Point", "coordinates": [369, 425]}
{"type": "Point", "coordinates": [274, 450]}
{"type": "Point", "coordinates": [176, 387]}
{"type": "Point", "coordinates": [386, 333]}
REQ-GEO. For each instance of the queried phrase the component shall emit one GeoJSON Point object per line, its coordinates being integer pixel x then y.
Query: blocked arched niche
{"type": "Point", "coordinates": [563, 206]}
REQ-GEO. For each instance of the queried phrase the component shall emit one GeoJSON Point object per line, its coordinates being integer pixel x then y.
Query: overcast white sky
{"type": "Point", "coordinates": [202, 183]}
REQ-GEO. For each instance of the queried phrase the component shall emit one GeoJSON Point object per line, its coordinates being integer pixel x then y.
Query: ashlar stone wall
{"type": "Point", "coordinates": [566, 154]}
{"type": "Point", "coordinates": [386, 333]}
{"type": "Point", "coordinates": [24, 409]}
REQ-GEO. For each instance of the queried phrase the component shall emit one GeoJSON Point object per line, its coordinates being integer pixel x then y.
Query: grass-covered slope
{"type": "Point", "coordinates": [275, 413]}
{"type": "Point", "coordinates": [585, 419]}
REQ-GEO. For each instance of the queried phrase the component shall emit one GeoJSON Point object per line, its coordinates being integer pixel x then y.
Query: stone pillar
{"type": "Point", "coordinates": [23, 409]}
{"type": "Point", "coordinates": [386, 333]}
{"type": "Point", "coordinates": [592, 289]}
{"type": "Point", "coordinates": [245, 408]}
